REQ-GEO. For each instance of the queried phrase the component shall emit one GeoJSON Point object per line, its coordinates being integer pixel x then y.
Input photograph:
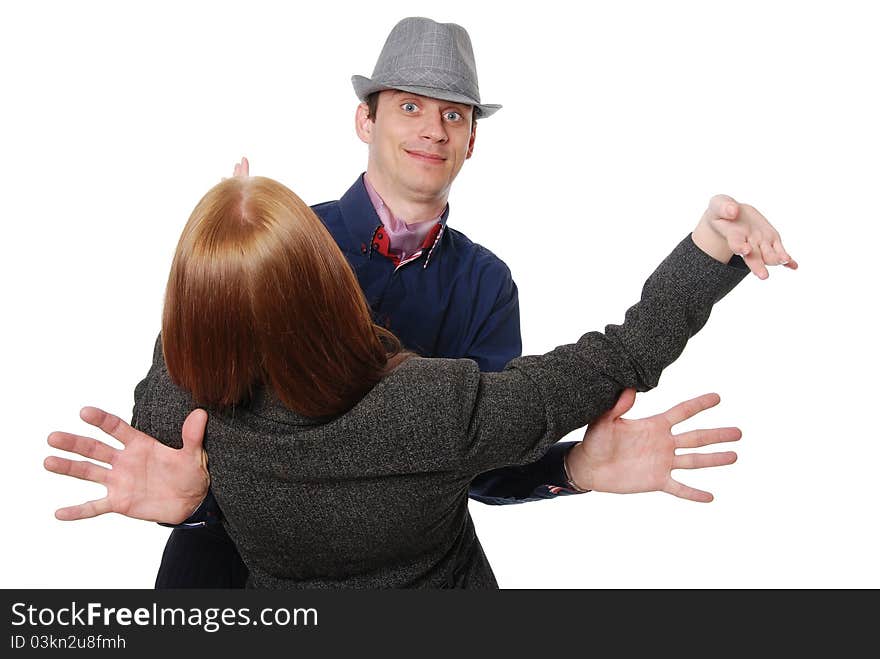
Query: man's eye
{"type": "Point", "coordinates": [409, 107]}
{"type": "Point", "coordinates": [453, 116]}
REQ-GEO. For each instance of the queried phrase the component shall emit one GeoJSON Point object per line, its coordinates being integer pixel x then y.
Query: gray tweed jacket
{"type": "Point", "coordinates": [377, 497]}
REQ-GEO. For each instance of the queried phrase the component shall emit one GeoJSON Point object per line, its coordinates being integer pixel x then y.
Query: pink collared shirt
{"type": "Point", "coordinates": [406, 241]}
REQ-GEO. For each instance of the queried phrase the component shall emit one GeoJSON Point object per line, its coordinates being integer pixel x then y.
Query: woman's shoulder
{"type": "Point", "coordinates": [433, 390]}
{"type": "Point", "coordinates": [160, 406]}
{"type": "Point", "coordinates": [433, 376]}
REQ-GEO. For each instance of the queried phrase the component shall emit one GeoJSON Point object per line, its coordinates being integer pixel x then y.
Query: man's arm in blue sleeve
{"type": "Point", "coordinates": [497, 342]}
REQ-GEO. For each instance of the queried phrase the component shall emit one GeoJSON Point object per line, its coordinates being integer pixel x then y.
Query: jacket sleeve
{"type": "Point", "coordinates": [141, 419]}
{"type": "Point", "coordinates": [513, 417]}
{"type": "Point", "coordinates": [145, 396]}
{"type": "Point", "coordinates": [496, 343]}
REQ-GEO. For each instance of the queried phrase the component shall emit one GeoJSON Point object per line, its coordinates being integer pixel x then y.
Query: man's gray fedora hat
{"type": "Point", "coordinates": [430, 59]}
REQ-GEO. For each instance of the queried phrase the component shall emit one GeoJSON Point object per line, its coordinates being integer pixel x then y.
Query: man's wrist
{"type": "Point", "coordinates": [185, 517]}
{"type": "Point", "coordinates": [206, 512]}
{"type": "Point", "coordinates": [569, 478]}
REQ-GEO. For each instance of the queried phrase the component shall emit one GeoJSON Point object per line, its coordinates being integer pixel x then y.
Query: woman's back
{"type": "Point", "coordinates": [374, 498]}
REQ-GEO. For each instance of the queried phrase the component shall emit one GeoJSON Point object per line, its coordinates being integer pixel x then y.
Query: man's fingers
{"type": "Point", "coordinates": [698, 438]}
{"type": "Point", "coordinates": [84, 510]}
{"type": "Point", "coordinates": [84, 446]}
{"type": "Point", "coordinates": [87, 471]}
{"type": "Point", "coordinates": [685, 492]}
{"type": "Point", "coordinates": [241, 168]}
{"type": "Point", "coordinates": [689, 408]}
{"type": "Point", "coordinates": [110, 424]}
{"type": "Point", "coordinates": [701, 460]}
{"type": "Point", "coordinates": [193, 431]}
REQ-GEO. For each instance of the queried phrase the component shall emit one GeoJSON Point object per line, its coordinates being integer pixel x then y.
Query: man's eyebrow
{"type": "Point", "coordinates": [463, 107]}
{"type": "Point", "coordinates": [455, 105]}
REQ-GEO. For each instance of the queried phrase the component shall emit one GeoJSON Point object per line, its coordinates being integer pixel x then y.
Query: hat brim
{"type": "Point", "coordinates": [363, 87]}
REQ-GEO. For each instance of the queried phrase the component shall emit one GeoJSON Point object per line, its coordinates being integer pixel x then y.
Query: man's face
{"type": "Point", "coordinates": [417, 144]}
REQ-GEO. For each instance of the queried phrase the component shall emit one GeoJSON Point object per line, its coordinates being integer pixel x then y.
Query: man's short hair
{"type": "Point", "coordinates": [372, 105]}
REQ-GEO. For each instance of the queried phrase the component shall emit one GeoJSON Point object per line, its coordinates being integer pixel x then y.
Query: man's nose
{"type": "Point", "coordinates": [433, 128]}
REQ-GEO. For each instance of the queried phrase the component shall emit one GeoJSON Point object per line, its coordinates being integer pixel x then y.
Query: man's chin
{"type": "Point", "coordinates": [429, 188]}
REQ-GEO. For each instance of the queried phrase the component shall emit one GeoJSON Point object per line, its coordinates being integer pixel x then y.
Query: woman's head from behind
{"type": "Point", "coordinates": [260, 295]}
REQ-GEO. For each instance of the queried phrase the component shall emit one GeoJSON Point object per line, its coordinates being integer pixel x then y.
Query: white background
{"type": "Point", "coordinates": [620, 120]}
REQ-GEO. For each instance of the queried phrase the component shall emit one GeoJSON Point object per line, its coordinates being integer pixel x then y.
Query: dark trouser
{"type": "Point", "coordinates": [202, 557]}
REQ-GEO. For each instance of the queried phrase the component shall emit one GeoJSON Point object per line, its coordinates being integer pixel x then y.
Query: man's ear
{"type": "Point", "coordinates": [473, 139]}
{"type": "Point", "coordinates": [363, 125]}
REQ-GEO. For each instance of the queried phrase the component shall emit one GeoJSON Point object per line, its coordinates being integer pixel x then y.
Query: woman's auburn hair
{"type": "Point", "coordinates": [259, 294]}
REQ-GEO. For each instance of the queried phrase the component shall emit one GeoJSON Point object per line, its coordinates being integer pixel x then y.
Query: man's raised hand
{"type": "Point", "coordinates": [242, 168]}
